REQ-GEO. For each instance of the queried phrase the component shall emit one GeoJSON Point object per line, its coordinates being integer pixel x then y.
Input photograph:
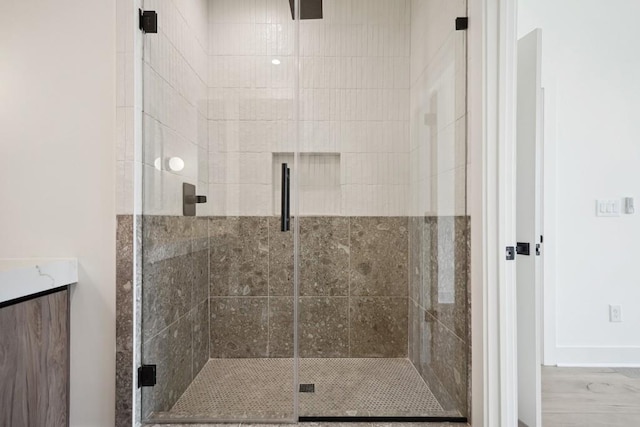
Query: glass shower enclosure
{"type": "Point", "coordinates": [304, 230]}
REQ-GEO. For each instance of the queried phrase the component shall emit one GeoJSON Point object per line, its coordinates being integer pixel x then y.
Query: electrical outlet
{"type": "Point", "coordinates": [615, 313]}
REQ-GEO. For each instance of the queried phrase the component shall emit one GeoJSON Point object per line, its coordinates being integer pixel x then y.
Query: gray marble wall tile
{"type": "Point", "coordinates": [166, 237]}
{"type": "Point", "coordinates": [200, 276]}
{"type": "Point", "coordinates": [439, 334]}
{"type": "Point", "coordinates": [137, 311]}
{"type": "Point", "coordinates": [420, 354]}
{"type": "Point", "coordinates": [166, 293]}
{"type": "Point", "coordinates": [324, 256]}
{"type": "Point", "coordinates": [447, 359]}
{"type": "Point", "coordinates": [326, 252]}
{"type": "Point", "coordinates": [239, 327]}
{"type": "Point", "coordinates": [200, 234]}
{"type": "Point", "coordinates": [200, 336]}
{"type": "Point", "coordinates": [416, 243]}
{"type": "Point", "coordinates": [324, 327]}
{"type": "Point", "coordinates": [379, 256]}
{"type": "Point", "coordinates": [379, 326]}
{"type": "Point", "coordinates": [171, 351]}
{"type": "Point", "coordinates": [446, 285]}
{"type": "Point", "coordinates": [356, 274]}
{"type": "Point", "coordinates": [428, 261]}
{"type": "Point", "coordinates": [281, 327]}
{"type": "Point", "coordinates": [280, 259]}
{"type": "Point", "coordinates": [239, 256]}
{"type": "Point", "coordinates": [413, 338]}
{"type": "Point", "coordinates": [124, 319]}
{"type": "Point", "coordinates": [175, 314]}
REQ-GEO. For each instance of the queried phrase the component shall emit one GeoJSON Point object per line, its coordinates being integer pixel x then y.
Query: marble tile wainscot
{"type": "Point", "coordinates": [175, 309]}
{"type": "Point", "coordinates": [368, 289]}
{"type": "Point", "coordinates": [353, 287]}
{"type": "Point", "coordinates": [124, 319]}
{"type": "Point", "coordinates": [439, 306]}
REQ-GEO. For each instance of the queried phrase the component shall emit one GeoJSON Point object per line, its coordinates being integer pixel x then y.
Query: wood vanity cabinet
{"type": "Point", "coordinates": [34, 360]}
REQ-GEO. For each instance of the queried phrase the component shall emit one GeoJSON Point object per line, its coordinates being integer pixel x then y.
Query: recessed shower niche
{"type": "Point", "coordinates": [365, 296]}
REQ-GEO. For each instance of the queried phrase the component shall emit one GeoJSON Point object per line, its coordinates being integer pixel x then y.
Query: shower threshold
{"type": "Point", "coordinates": [345, 389]}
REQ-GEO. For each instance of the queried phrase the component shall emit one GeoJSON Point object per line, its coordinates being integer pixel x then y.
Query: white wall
{"type": "Point", "coordinates": [57, 170]}
{"type": "Point", "coordinates": [590, 68]}
{"type": "Point", "coordinates": [438, 109]}
{"type": "Point", "coordinates": [175, 107]}
{"type": "Point", "coordinates": [354, 101]}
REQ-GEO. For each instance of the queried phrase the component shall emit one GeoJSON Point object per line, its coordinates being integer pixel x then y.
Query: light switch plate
{"type": "Point", "coordinates": [607, 207]}
{"type": "Point", "coordinates": [629, 206]}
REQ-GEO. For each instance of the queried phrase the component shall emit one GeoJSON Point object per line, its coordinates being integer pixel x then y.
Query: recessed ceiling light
{"type": "Point", "coordinates": [275, 61]}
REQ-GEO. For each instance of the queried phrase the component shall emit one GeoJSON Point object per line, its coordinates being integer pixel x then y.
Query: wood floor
{"type": "Point", "coordinates": [590, 397]}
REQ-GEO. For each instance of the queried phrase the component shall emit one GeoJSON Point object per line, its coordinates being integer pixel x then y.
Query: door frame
{"type": "Point", "coordinates": [495, 215]}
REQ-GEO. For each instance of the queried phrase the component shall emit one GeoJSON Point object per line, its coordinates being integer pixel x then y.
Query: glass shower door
{"type": "Point", "coordinates": [383, 251]}
{"type": "Point", "coordinates": [217, 288]}
{"type": "Point", "coordinates": [363, 294]}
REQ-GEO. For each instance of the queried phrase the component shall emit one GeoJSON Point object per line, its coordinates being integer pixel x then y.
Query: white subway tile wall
{"type": "Point", "coordinates": [382, 91]}
{"type": "Point", "coordinates": [438, 142]}
{"type": "Point", "coordinates": [175, 109]}
{"type": "Point", "coordinates": [354, 107]}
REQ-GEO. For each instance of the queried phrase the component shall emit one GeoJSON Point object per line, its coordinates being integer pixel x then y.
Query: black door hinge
{"type": "Point", "coordinates": [523, 248]}
{"type": "Point", "coordinates": [462, 23]}
{"type": "Point", "coordinates": [511, 253]}
{"type": "Point", "coordinates": [148, 21]}
{"type": "Point", "coordinates": [146, 376]}
{"type": "Point", "coordinates": [537, 249]}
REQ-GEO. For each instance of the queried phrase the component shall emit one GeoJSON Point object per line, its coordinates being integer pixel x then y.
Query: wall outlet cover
{"type": "Point", "coordinates": [615, 313]}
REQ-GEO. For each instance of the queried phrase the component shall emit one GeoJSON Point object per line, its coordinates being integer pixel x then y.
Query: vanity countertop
{"type": "Point", "coordinates": [27, 276]}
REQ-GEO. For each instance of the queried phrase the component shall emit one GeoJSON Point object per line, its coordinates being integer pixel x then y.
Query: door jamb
{"type": "Point", "coordinates": [498, 223]}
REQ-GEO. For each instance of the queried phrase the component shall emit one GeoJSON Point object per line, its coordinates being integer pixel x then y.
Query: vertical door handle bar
{"type": "Point", "coordinates": [285, 212]}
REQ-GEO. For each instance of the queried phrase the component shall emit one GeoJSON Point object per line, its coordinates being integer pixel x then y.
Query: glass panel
{"type": "Point", "coordinates": [217, 303]}
{"type": "Point", "coordinates": [366, 292]}
{"type": "Point", "coordinates": [383, 313]}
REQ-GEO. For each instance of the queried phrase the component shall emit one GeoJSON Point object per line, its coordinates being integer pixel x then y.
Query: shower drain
{"type": "Point", "coordinates": [307, 388]}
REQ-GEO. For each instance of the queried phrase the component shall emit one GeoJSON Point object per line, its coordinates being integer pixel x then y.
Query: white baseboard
{"type": "Point", "coordinates": [598, 357]}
